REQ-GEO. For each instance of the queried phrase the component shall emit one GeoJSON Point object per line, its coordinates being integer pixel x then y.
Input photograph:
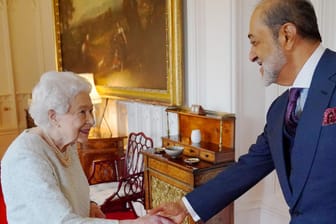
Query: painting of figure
{"type": "Point", "coordinates": [123, 42]}
{"type": "Point", "coordinates": [127, 44]}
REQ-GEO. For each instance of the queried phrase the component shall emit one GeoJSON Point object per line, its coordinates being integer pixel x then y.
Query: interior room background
{"type": "Point", "coordinates": [218, 76]}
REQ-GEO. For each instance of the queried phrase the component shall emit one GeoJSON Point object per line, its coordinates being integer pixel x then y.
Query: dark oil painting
{"type": "Point", "coordinates": [122, 42]}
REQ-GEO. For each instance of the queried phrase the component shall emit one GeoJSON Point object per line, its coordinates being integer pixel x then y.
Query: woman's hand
{"type": "Point", "coordinates": [95, 211]}
{"type": "Point", "coordinates": [148, 219]}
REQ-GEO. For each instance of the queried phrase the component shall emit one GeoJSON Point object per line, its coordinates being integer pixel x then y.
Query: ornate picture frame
{"type": "Point", "coordinates": [134, 48]}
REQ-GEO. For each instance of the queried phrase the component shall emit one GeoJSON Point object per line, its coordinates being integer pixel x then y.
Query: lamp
{"type": "Point", "coordinates": [96, 100]}
{"type": "Point", "coordinates": [94, 95]}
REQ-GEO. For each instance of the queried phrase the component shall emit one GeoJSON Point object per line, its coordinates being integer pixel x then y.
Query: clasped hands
{"type": "Point", "coordinates": [175, 211]}
{"type": "Point", "coordinates": [170, 213]}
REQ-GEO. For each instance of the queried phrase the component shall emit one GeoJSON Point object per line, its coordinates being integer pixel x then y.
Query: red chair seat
{"type": "Point", "coordinates": [119, 215]}
{"type": "Point", "coordinates": [3, 218]}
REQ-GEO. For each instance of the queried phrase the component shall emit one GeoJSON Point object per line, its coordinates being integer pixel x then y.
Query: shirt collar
{"type": "Point", "coordinates": [303, 79]}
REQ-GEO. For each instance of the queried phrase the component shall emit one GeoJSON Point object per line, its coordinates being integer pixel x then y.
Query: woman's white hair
{"type": "Point", "coordinates": [54, 91]}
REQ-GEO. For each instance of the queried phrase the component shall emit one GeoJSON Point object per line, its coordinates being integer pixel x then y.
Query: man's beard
{"type": "Point", "coordinates": [273, 65]}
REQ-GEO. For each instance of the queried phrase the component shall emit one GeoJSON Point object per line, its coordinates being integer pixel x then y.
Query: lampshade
{"type": "Point", "coordinates": [94, 95]}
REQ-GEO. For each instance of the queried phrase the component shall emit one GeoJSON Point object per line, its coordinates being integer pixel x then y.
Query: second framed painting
{"type": "Point", "coordinates": [134, 48]}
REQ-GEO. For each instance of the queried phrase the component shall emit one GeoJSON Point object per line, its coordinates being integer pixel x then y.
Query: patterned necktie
{"type": "Point", "coordinates": [291, 119]}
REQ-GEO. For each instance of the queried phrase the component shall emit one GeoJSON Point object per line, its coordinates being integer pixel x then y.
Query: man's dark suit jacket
{"type": "Point", "coordinates": [309, 187]}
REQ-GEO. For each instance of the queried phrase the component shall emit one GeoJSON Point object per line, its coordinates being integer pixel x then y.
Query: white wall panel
{"type": "Point", "coordinates": [218, 83]}
{"type": "Point", "coordinates": [209, 54]}
{"type": "Point", "coordinates": [195, 51]}
{"type": "Point", "coordinates": [150, 119]}
{"type": "Point", "coordinates": [25, 33]}
{"type": "Point", "coordinates": [6, 86]}
{"type": "Point", "coordinates": [326, 16]}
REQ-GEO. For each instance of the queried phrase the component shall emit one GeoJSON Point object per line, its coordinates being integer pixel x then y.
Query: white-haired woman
{"type": "Point", "coordinates": [41, 174]}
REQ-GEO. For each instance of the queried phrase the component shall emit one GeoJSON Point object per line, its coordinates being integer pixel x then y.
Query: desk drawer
{"type": "Point", "coordinates": [207, 156]}
{"type": "Point", "coordinates": [171, 171]}
{"type": "Point", "coordinates": [189, 151]}
{"type": "Point", "coordinates": [205, 151]}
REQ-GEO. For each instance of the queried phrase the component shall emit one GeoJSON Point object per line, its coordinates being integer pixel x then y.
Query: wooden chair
{"type": "Point", "coordinates": [129, 187]}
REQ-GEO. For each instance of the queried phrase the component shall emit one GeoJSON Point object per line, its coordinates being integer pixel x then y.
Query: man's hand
{"type": "Point", "coordinates": [175, 211]}
{"type": "Point", "coordinates": [95, 211]}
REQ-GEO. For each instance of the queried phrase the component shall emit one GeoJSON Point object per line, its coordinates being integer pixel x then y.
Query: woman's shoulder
{"type": "Point", "coordinates": [25, 145]}
{"type": "Point", "coordinates": [28, 139]}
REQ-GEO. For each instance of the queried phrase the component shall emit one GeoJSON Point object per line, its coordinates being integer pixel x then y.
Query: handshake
{"type": "Point", "coordinates": [168, 213]}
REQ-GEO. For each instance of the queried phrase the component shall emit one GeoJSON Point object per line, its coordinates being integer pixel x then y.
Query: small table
{"type": "Point", "coordinates": [100, 148]}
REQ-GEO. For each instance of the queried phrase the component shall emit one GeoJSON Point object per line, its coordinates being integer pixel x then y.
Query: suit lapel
{"type": "Point", "coordinates": [309, 127]}
{"type": "Point", "coordinates": [276, 144]}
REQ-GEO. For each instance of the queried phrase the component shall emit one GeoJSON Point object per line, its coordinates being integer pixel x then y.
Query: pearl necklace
{"type": "Point", "coordinates": [63, 157]}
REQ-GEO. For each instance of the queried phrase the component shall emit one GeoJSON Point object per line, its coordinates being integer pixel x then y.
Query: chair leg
{"type": "Point", "coordinates": [132, 208]}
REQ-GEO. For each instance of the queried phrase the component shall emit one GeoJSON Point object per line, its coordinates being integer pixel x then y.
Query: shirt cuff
{"type": "Point", "coordinates": [191, 211]}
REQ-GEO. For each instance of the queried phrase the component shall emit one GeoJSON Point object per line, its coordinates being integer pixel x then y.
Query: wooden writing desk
{"type": "Point", "coordinates": [169, 180]}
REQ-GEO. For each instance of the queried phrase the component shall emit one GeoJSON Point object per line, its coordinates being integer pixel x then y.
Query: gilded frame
{"type": "Point", "coordinates": [172, 94]}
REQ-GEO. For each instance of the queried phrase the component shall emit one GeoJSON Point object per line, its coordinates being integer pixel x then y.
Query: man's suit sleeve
{"type": "Point", "coordinates": [210, 198]}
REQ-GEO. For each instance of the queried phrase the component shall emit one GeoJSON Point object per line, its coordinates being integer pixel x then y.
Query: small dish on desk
{"type": "Point", "coordinates": [174, 151]}
{"type": "Point", "coordinates": [191, 160]}
{"type": "Point", "coordinates": [159, 150]}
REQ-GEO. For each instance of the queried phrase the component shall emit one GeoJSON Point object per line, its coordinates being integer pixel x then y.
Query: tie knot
{"type": "Point", "coordinates": [291, 119]}
{"type": "Point", "coordinates": [294, 94]}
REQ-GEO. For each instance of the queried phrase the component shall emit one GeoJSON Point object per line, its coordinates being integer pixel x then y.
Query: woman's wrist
{"type": "Point", "coordinates": [93, 202]}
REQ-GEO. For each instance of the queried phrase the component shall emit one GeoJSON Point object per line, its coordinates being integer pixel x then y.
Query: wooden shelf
{"type": "Point", "coordinates": [217, 134]}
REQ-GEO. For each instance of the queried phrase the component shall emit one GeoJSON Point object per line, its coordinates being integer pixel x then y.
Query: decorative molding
{"type": "Point", "coordinates": [7, 112]}
{"type": "Point", "coordinates": [196, 50]}
{"type": "Point", "coordinates": [12, 5]}
{"type": "Point", "coordinates": [247, 211]}
{"type": "Point", "coordinates": [35, 3]}
{"type": "Point", "coordinates": [48, 44]}
{"type": "Point", "coordinates": [173, 124]}
{"type": "Point", "coordinates": [122, 118]}
{"type": "Point", "coordinates": [39, 36]}
{"type": "Point", "coordinates": [274, 213]}
{"type": "Point", "coordinates": [235, 57]}
{"type": "Point", "coordinates": [7, 86]}
{"type": "Point", "coordinates": [159, 124]}
{"type": "Point", "coordinates": [325, 15]}
{"type": "Point", "coordinates": [22, 105]}
{"type": "Point", "coordinates": [150, 119]}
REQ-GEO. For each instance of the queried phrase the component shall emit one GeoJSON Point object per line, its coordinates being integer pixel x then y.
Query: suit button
{"type": "Point", "coordinates": [296, 213]}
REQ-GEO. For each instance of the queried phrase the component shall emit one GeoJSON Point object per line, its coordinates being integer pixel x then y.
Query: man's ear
{"type": "Point", "coordinates": [287, 35]}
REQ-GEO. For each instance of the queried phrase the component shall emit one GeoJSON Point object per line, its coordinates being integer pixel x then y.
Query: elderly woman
{"type": "Point", "coordinates": [42, 178]}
